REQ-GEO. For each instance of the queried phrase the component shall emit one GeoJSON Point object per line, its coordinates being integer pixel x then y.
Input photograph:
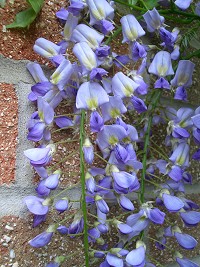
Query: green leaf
{"type": "Point", "coordinates": [23, 19]}
{"type": "Point", "coordinates": [2, 3]}
{"type": "Point", "coordinates": [151, 3]}
{"type": "Point", "coordinates": [36, 5]}
{"type": "Point", "coordinates": [132, 2]}
{"type": "Point", "coordinates": [26, 17]}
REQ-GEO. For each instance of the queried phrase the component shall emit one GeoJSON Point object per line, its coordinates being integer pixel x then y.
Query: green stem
{"type": "Point", "coordinates": [82, 171]}
{"type": "Point", "coordinates": [144, 5]}
{"type": "Point", "coordinates": [155, 99]}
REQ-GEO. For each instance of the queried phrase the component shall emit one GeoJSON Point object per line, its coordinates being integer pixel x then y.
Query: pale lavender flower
{"type": "Point", "coordinates": [70, 25]}
{"type": "Point", "coordinates": [88, 151]}
{"type": "Point", "coordinates": [123, 86]}
{"type": "Point", "coordinates": [153, 20]}
{"type": "Point", "coordinates": [46, 48]}
{"type": "Point", "coordinates": [91, 95]}
{"type": "Point", "coordinates": [41, 240]}
{"type": "Point", "coordinates": [131, 28]}
{"type": "Point", "coordinates": [62, 74]}
{"type": "Point", "coordinates": [99, 10]}
{"type": "Point", "coordinates": [137, 256]}
{"type": "Point", "coordinates": [183, 4]}
{"type": "Point", "coordinates": [83, 33]}
{"type": "Point", "coordinates": [113, 109]}
{"type": "Point", "coordinates": [35, 205]}
{"type": "Point", "coordinates": [183, 76]}
{"type": "Point", "coordinates": [85, 55]}
{"type": "Point", "coordinates": [161, 65]}
{"type": "Point", "coordinates": [180, 155]}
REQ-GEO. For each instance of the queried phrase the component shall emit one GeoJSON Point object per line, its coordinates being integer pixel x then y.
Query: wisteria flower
{"type": "Point", "coordinates": [131, 28]}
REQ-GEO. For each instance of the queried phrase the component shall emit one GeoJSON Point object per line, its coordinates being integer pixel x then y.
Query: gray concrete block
{"type": "Point", "coordinates": [14, 71]}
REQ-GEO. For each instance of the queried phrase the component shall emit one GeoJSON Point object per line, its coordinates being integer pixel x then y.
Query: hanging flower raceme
{"type": "Point", "coordinates": [161, 66]}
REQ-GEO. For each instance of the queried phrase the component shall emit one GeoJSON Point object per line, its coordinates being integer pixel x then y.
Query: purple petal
{"type": "Point", "coordinates": [41, 240]}
{"type": "Point", "coordinates": [52, 181]}
{"type": "Point", "coordinates": [124, 228]}
{"type": "Point", "coordinates": [36, 154]}
{"type": "Point", "coordinates": [125, 203]}
{"type": "Point", "coordinates": [136, 257]}
{"type": "Point", "coordinates": [62, 205]}
{"type": "Point", "coordinates": [190, 218]}
{"type": "Point", "coordinates": [183, 262]}
{"type": "Point", "coordinates": [172, 203]}
{"type": "Point", "coordinates": [34, 204]}
{"type": "Point", "coordinates": [156, 216]}
{"type": "Point", "coordinates": [123, 179]}
{"type": "Point", "coordinates": [176, 173]}
{"type": "Point", "coordinates": [113, 260]}
{"type": "Point", "coordinates": [186, 241]}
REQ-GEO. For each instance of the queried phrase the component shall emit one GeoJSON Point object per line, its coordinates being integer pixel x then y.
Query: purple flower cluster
{"type": "Point", "coordinates": [110, 103]}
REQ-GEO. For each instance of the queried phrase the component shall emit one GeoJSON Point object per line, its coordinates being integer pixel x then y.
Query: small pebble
{"type": "Point", "coordinates": [7, 238]}
{"type": "Point", "coordinates": [9, 228]}
{"type": "Point", "coordinates": [15, 264]}
{"type": "Point", "coordinates": [12, 254]}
